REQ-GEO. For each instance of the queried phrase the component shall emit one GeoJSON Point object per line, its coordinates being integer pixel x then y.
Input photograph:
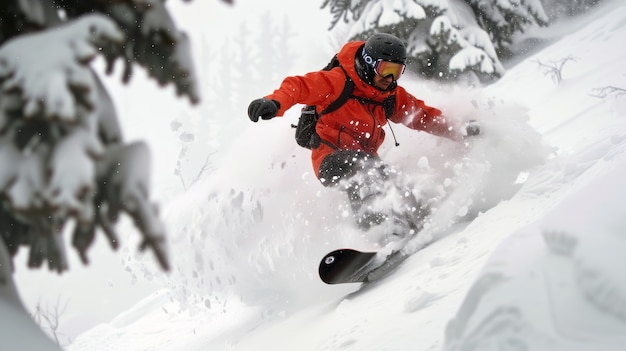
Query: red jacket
{"type": "Point", "coordinates": [355, 125]}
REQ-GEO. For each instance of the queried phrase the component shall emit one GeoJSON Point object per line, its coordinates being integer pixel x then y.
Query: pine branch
{"type": "Point", "coordinates": [48, 317]}
{"type": "Point", "coordinates": [206, 167]}
{"type": "Point", "coordinates": [608, 91]}
{"type": "Point", "coordinates": [339, 9]}
{"type": "Point", "coordinates": [554, 69]}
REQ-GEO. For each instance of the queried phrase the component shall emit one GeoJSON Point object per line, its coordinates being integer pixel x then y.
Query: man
{"type": "Point", "coordinates": [351, 134]}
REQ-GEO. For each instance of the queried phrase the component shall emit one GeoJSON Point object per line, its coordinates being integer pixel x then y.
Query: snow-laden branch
{"type": "Point", "coordinates": [472, 58]}
{"type": "Point", "coordinates": [470, 48]}
{"type": "Point", "coordinates": [51, 87]}
{"type": "Point", "coordinates": [155, 43]}
{"type": "Point", "coordinates": [391, 12]}
{"type": "Point", "coordinates": [61, 154]}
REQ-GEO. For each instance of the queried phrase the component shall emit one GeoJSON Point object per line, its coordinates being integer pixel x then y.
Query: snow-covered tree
{"type": "Point", "coordinates": [446, 38]}
{"type": "Point", "coordinates": [559, 8]}
{"type": "Point", "coordinates": [63, 158]}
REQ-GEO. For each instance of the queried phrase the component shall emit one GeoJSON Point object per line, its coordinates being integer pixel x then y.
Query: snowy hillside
{"type": "Point", "coordinates": [524, 252]}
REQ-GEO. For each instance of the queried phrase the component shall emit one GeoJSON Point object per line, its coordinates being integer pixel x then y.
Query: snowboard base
{"type": "Point", "coordinates": [353, 266]}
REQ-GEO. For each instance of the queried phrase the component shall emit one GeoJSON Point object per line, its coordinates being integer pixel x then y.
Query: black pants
{"type": "Point", "coordinates": [345, 164]}
{"type": "Point", "coordinates": [369, 183]}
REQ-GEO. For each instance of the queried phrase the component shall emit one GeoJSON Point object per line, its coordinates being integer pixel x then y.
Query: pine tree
{"type": "Point", "coordinates": [504, 18]}
{"type": "Point", "coordinates": [557, 9]}
{"type": "Point", "coordinates": [62, 153]}
{"type": "Point", "coordinates": [446, 39]}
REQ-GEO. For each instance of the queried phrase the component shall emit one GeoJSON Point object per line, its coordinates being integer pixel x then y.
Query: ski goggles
{"type": "Point", "coordinates": [388, 68]}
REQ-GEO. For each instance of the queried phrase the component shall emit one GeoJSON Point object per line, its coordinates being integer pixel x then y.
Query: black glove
{"type": "Point", "coordinates": [472, 128]}
{"type": "Point", "coordinates": [264, 108]}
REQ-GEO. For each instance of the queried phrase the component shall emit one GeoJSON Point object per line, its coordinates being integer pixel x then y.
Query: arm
{"type": "Point", "coordinates": [415, 114]}
{"type": "Point", "coordinates": [315, 88]}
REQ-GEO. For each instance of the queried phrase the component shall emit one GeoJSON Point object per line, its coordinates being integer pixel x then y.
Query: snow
{"type": "Point", "coordinates": [524, 251]}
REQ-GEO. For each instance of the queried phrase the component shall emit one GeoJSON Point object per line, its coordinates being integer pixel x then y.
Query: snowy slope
{"type": "Point", "coordinates": [538, 268]}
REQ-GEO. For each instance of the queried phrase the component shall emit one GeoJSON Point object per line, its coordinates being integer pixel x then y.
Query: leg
{"type": "Point", "coordinates": [374, 196]}
{"type": "Point", "coordinates": [345, 164]}
{"type": "Point", "coordinates": [362, 176]}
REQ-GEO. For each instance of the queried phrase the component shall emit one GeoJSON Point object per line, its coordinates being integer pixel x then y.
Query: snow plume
{"type": "Point", "coordinates": [247, 240]}
{"type": "Point", "coordinates": [247, 229]}
{"type": "Point", "coordinates": [460, 180]}
{"type": "Point", "coordinates": [249, 233]}
{"type": "Point", "coordinates": [497, 162]}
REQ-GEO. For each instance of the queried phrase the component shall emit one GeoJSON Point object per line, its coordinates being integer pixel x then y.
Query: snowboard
{"type": "Point", "coordinates": [353, 266]}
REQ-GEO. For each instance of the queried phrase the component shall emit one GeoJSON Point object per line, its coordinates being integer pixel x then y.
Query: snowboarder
{"type": "Point", "coordinates": [351, 135]}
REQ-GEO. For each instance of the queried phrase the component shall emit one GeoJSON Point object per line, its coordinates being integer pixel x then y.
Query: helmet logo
{"type": "Point", "coordinates": [368, 59]}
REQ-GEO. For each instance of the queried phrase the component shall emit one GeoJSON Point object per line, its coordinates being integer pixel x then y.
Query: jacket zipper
{"type": "Point", "coordinates": [339, 135]}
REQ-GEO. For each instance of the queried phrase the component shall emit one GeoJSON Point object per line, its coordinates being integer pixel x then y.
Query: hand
{"type": "Point", "coordinates": [471, 128]}
{"type": "Point", "coordinates": [264, 108]}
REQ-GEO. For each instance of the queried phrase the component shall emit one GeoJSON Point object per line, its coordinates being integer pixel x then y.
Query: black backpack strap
{"type": "Point", "coordinates": [389, 105]}
{"type": "Point", "coordinates": [346, 93]}
{"type": "Point", "coordinates": [334, 62]}
{"type": "Point", "coordinates": [343, 97]}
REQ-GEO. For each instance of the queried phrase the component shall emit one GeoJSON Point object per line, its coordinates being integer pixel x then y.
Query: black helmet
{"type": "Point", "coordinates": [380, 46]}
{"type": "Point", "coordinates": [386, 47]}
